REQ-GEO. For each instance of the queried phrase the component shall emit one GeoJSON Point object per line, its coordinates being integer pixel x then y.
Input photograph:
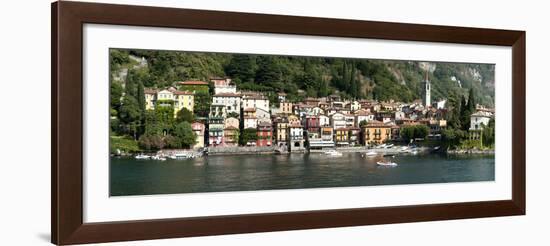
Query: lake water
{"type": "Point", "coordinates": [296, 171]}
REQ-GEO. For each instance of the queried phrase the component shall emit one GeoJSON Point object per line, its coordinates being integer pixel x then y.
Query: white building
{"type": "Point", "coordinates": [223, 85]}
{"type": "Point", "coordinates": [399, 115]}
{"type": "Point", "coordinates": [440, 104]}
{"type": "Point", "coordinates": [262, 114]}
{"type": "Point", "coordinates": [363, 115]}
{"type": "Point", "coordinates": [338, 120]}
{"type": "Point", "coordinates": [255, 101]}
{"type": "Point", "coordinates": [250, 122]}
{"type": "Point", "coordinates": [324, 120]}
{"type": "Point", "coordinates": [479, 119]}
{"type": "Point", "coordinates": [232, 101]}
{"type": "Point", "coordinates": [350, 120]}
{"type": "Point", "coordinates": [354, 106]}
{"type": "Point", "coordinates": [296, 138]}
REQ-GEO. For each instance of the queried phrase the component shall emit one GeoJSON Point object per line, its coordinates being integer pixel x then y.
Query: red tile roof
{"type": "Point", "coordinates": [193, 82]}
{"type": "Point", "coordinates": [227, 95]}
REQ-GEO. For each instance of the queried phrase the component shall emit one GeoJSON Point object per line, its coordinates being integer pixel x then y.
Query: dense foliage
{"type": "Point", "coordinates": [311, 76]}
{"type": "Point", "coordinates": [414, 132]}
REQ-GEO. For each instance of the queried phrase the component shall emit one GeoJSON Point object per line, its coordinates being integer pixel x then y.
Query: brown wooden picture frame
{"type": "Point", "coordinates": [67, 123]}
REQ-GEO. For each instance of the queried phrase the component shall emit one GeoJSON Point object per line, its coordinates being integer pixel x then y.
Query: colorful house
{"type": "Point", "coordinates": [354, 134]}
{"type": "Point", "coordinates": [313, 126]}
{"type": "Point", "coordinates": [249, 118]}
{"type": "Point", "coordinates": [169, 98]}
{"type": "Point", "coordinates": [198, 129]}
{"type": "Point", "coordinates": [341, 137]}
{"type": "Point", "coordinates": [295, 136]}
{"type": "Point", "coordinates": [281, 131]}
{"type": "Point", "coordinates": [285, 108]}
{"type": "Point", "coordinates": [232, 101]}
{"type": "Point", "coordinates": [224, 85]}
{"type": "Point", "coordinates": [216, 125]}
{"type": "Point", "coordinates": [231, 131]}
{"type": "Point", "coordinates": [375, 132]}
{"type": "Point", "coordinates": [264, 134]}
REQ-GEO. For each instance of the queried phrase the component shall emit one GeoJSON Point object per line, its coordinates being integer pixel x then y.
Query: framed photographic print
{"type": "Point", "coordinates": [174, 122]}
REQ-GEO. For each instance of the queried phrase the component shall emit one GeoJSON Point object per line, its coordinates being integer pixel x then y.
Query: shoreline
{"type": "Point", "coordinates": [273, 150]}
{"type": "Point", "coordinates": [470, 152]}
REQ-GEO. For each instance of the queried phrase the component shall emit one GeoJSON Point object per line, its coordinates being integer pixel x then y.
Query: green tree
{"type": "Point", "coordinates": [323, 88]}
{"type": "Point", "coordinates": [241, 68]}
{"type": "Point", "coordinates": [451, 137]}
{"type": "Point", "coordinates": [117, 58]}
{"type": "Point", "coordinates": [130, 115]}
{"type": "Point", "coordinates": [269, 70]}
{"type": "Point", "coordinates": [185, 137]}
{"type": "Point", "coordinates": [488, 133]}
{"type": "Point", "coordinates": [122, 144]}
{"type": "Point", "coordinates": [247, 135]}
{"type": "Point", "coordinates": [202, 103]}
{"type": "Point", "coordinates": [185, 115]}
{"type": "Point", "coordinates": [464, 114]}
{"type": "Point", "coordinates": [115, 94]}
{"type": "Point", "coordinates": [233, 114]}
{"type": "Point", "coordinates": [407, 132]}
{"type": "Point", "coordinates": [413, 132]}
{"type": "Point", "coordinates": [151, 142]}
{"type": "Point", "coordinates": [421, 131]}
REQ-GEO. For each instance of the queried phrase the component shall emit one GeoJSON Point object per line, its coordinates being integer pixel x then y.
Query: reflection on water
{"type": "Point", "coordinates": [297, 171]}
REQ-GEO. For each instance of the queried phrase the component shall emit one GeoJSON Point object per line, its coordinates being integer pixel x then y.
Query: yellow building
{"type": "Point", "coordinates": [183, 99]}
{"type": "Point", "coordinates": [179, 99]}
{"type": "Point", "coordinates": [342, 136]}
{"type": "Point", "coordinates": [285, 108]}
{"type": "Point", "coordinates": [375, 132]}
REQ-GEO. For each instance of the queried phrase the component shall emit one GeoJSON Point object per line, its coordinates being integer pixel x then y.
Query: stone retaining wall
{"type": "Point", "coordinates": [241, 150]}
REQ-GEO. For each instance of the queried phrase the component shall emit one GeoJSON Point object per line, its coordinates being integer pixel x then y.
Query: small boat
{"type": "Point", "coordinates": [158, 158]}
{"type": "Point", "coordinates": [180, 156]}
{"type": "Point", "coordinates": [142, 157]}
{"type": "Point", "coordinates": [389, 155]}
{"type": "Point", "coordinates": [333, 153]}
{"type": "Point", "coordinates": [386, 163]}
{"type": "Point", "coordinates": [371, 153]}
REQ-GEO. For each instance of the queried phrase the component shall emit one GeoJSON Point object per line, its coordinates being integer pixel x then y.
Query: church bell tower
{"type": "Point", "coordinates": [426, 94]}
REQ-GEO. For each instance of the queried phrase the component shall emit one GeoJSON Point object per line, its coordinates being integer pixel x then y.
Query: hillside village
{"type": "Point", "coordinates": [245, 118]}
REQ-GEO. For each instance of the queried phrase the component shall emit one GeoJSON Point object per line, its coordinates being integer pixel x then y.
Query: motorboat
{"type": "Point", "coordinates": [371, 153]}
{"type": "Point", "coordinates": [333, 153]}
{"type": "Point", "coordinates": [180, 156]}
{"type": "Point", "coordinates": [158, 158]}
{"type": "Point", "coordinates": [142, 157]}
{"type": "Point", "coordinates": [386, 163]}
